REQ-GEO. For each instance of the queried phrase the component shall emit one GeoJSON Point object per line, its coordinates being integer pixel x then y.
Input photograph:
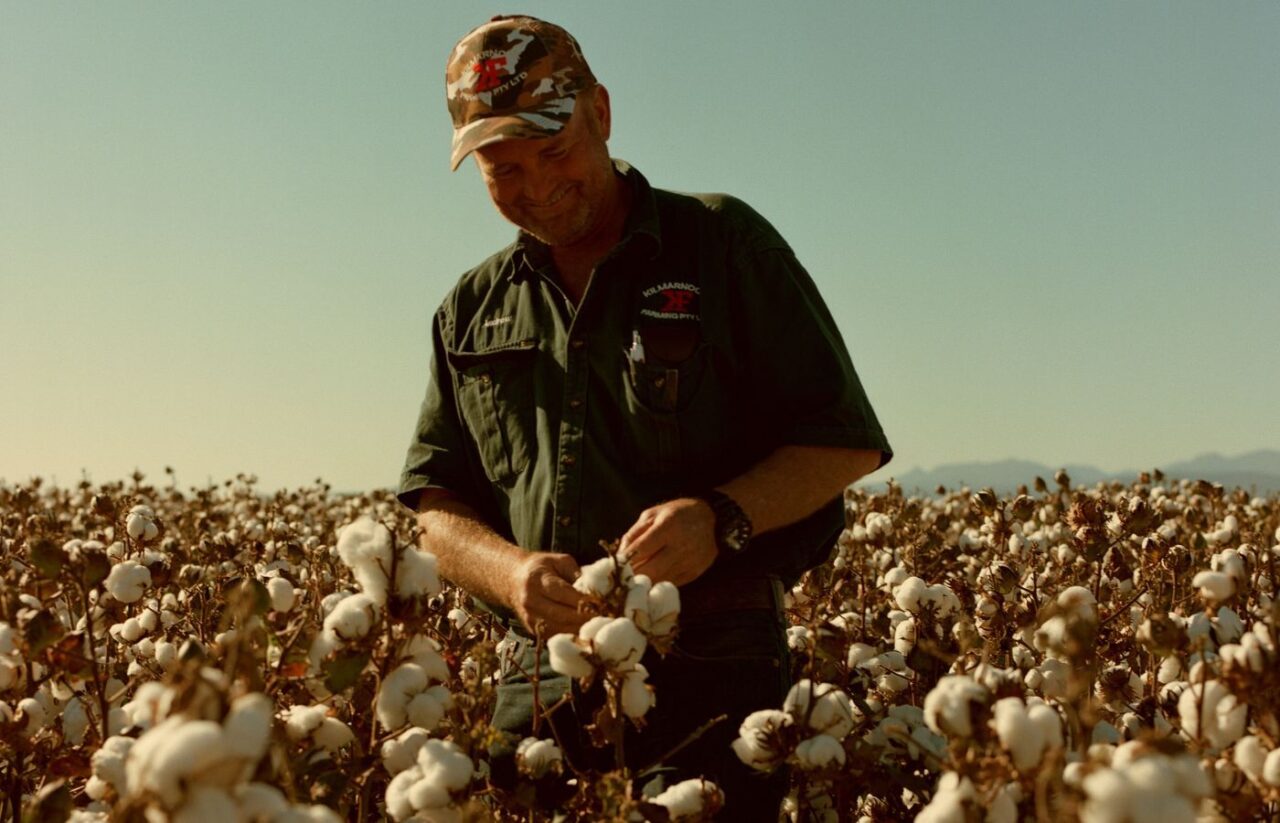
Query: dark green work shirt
{"type": "Point", "coordinates": [699, 346]}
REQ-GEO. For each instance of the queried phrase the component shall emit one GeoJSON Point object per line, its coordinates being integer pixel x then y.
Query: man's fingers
{"type": "Point", "coordinates": [559, 590]}
{"type": "Point", "coordinates": [637, 529]}
{"type": "Point", "coordinates": [644, 547]}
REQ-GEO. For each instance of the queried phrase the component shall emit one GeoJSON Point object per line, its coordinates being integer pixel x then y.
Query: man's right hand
{"type": "Point", "coordinates": [542, 594]}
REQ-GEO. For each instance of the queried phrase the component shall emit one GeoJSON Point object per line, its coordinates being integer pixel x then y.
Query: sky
{"type": "Point", "coordinates": [1047, 230]}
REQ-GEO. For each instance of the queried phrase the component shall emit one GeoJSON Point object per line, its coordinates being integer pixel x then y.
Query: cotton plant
{"type": "Point", "coordinates": [807, 731]}
{"type": "Point", "coordinates": [316, 726]}
{"type": "Point", "coordinates": [632, 614]}
{"type": "Point", "coordinates": [433, 787]}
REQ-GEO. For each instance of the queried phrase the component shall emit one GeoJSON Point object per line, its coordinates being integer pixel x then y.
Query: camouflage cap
{"type": "Point", "coordinates": [513, 77]}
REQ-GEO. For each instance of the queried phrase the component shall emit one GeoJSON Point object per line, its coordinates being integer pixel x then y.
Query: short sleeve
{"type": "Point", "coordinates": [437, 456]}
{"type": "Point", "coordinates": [798, 367]}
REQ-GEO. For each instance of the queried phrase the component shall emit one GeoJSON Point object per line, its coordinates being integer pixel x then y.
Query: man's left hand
{"type": "Point", "coordinates": [673, 541]}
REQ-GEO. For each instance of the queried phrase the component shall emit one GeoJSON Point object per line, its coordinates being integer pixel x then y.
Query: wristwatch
{"type": "Point", "coordinates": [733, 527]}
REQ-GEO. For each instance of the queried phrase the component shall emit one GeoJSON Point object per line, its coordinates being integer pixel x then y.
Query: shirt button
{"type": "Point", "coordinates": [577, 343]}
{"type": "Point", "coordinates": [575, 402]}
{"type": "Point", "coordinates": [565, 520]}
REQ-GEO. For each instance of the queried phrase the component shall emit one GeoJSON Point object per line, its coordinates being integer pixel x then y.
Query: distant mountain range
{"type": "Point", "coordinates": [1257, 470]}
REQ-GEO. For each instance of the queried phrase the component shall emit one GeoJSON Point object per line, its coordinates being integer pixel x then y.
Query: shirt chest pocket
{"type": "Point", "coordinates": [665, 402]}
{"type": "Point", "coordinates": [496, 397]}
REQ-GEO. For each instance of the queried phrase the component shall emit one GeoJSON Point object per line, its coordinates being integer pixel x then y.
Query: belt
{"type": "Point", "coordinates": [731, 594]}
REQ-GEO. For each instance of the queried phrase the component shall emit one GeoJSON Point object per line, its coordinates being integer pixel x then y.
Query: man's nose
{"type": "Point", "coordinates": [540, 182]}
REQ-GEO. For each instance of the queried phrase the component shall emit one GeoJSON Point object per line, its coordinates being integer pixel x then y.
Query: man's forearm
{"type": "Point", "coordinates": [469, 552]}
{"type": "Point", "coordinates": [794, 481]}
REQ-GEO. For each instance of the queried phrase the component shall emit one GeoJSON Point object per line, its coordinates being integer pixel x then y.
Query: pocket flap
{"type": "Point", "coordinates": [461, 360]}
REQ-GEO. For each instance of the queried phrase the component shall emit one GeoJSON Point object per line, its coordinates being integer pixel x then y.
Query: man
{"type": "Point", "coordinates": [639, 365]}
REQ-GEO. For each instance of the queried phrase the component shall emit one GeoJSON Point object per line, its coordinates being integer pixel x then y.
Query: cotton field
{"type": "Point", "coordinates": [1104, 654]}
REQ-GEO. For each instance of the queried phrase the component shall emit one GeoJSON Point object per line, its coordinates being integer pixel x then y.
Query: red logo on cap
{"type": "Point", "coordinates": [489, 72]}
{"type": "Point", "coordinates": [678, 300]}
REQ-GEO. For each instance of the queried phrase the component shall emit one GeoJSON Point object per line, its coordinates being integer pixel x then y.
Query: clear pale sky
{"type": "Point", "coordinates": [1048, 230]}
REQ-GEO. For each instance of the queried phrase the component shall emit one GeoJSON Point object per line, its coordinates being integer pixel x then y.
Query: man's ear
{"type": "Point", "coordinates": [600, 107]}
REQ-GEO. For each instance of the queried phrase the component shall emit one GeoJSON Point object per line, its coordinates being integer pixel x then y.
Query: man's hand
{"type": "Point", "coordinates": [673, 541]}
{"type": "Point", "coordinates": [542, 594]}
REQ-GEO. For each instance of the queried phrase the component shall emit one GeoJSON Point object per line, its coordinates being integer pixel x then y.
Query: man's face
{"type": "Point", "coordinates": [556, 188]}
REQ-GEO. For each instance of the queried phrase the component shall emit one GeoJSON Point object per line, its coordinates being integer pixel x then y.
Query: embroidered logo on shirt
{"type": "Point", "coordinates": [674, 300]}
{"type": "Point", "coordinates": [496, 321]}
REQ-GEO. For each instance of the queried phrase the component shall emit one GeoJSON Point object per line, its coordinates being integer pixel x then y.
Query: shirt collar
{"type": "Point", "coordinates": [642, 232]}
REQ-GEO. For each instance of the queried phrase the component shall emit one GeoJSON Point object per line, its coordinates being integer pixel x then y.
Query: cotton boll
{"type": "Point", "coordinates": [619, 644]}
{"type": "Point", "coordinates": [599, 579]}
{"type": "Point", "coordinates": [537, 758]}
{"type": "Point", "coordinates": [1020, 736]}
{"type": "Point", "coordinates": [908, 594]}
{"type": "Point", "coordinates": [401, 753]}
{"type": "Point", "coordinates": [34, 713]}
{"type": "Point", "coordinates": [206, 803]}
{"type": "Point", "coordinates": [1004, 806]}
{"type": "Point", "coordinates": [637, 696]}
{"type": "Point", "coordinates": [1271, 768]}
{"type": "Point", "coordinates": [168, 752]}
{"type": "Point", "coordinates": [108, 763]}
{"type": "Point", "coordinates": [690, 798]}
{"type": "Point", "coordinates": [427, 709]}
{"type": "Point", "coordinates": [397, 689]}
{"type": "Point", "coordinates": [1214, 586]}
{"type": "Point", "coordinates": [423, 651]}
{"type": "Point", "coordinates": [1049, 724]}
{"type": "Point", "coordinates": [352, 617]}
{"type": "Point", "coordinates": [950, 800]}
{"type": "Point", "coordinates": [636, 606]}
{"type": "Point", "coordinates": [8, 644]}
{"type": "Point", "coordinates": [799, 638]}
{"type": "Point", "coordinates": [261, 802]}
{"type": "Point", "coordinates": [416, 574]}
{"type": "Point", "coordinates": [75, 721]}
{"type": "Point", "coordinates": [1110, 797]}
{"type": "Point", "coordinates": [758, 736]}
{"type": "Point", "coordinates": [592, 627]}
{"type": "Point", "coordinates": [1078, 602]}
{"type": "Point", "coordinates": [819, 752]}
{"type": "Point", "coordinates": [859, 653]}
{"type": "Point", "coordinates": [248, 726]}
{"type": "Point", "coordinates": [567, 658]}
{"type": "Point", "coordinates": [128, 581]}
{"type": "Point", "coordinates": [826, 707]}
{"type": "Point", "coordinates": [365, 548]}
{"type": "Point", "coordinates": [301, 721]}
{"type": "Point", "coordinates": [445, 769]}
{"type": "Point", "coordinates": [941, 599]}
{"type": "Point", "coordinates": [332, 734]}
{"type": "Point", "coordinates": [904, 636]}
{"type": "Point", "coordinates": [948, 707]}
{"type": "Point", "coordinates": [129, 631]}
{"type": "Point", "coordinates": [140, 523]}
{"type": "Point", "coordinates": [1250, 755]}
{"type": "Point", "coordinates": [166, 655]}
{"type": "Point", "coordinates": [1212, 712]}
{"type": "Point", "coordinates": [664, 608]}
{"type": "Point", "coordinates": [282, 594]}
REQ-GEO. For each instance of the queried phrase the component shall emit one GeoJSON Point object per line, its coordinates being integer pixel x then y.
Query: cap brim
{"type": "Point", "coordinates": [488, 130]}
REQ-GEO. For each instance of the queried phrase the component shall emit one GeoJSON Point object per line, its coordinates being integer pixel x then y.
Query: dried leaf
{"type": "Point", "coordinates": [43, 631]}
{"type": "Point", "coordinates": [48, 557]}
{"type": "Point", "coordinates": [343, 671]}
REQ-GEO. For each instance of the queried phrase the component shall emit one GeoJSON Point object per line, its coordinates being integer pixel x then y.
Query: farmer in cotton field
{"type": "Point", "coordinates": [639, 365]}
